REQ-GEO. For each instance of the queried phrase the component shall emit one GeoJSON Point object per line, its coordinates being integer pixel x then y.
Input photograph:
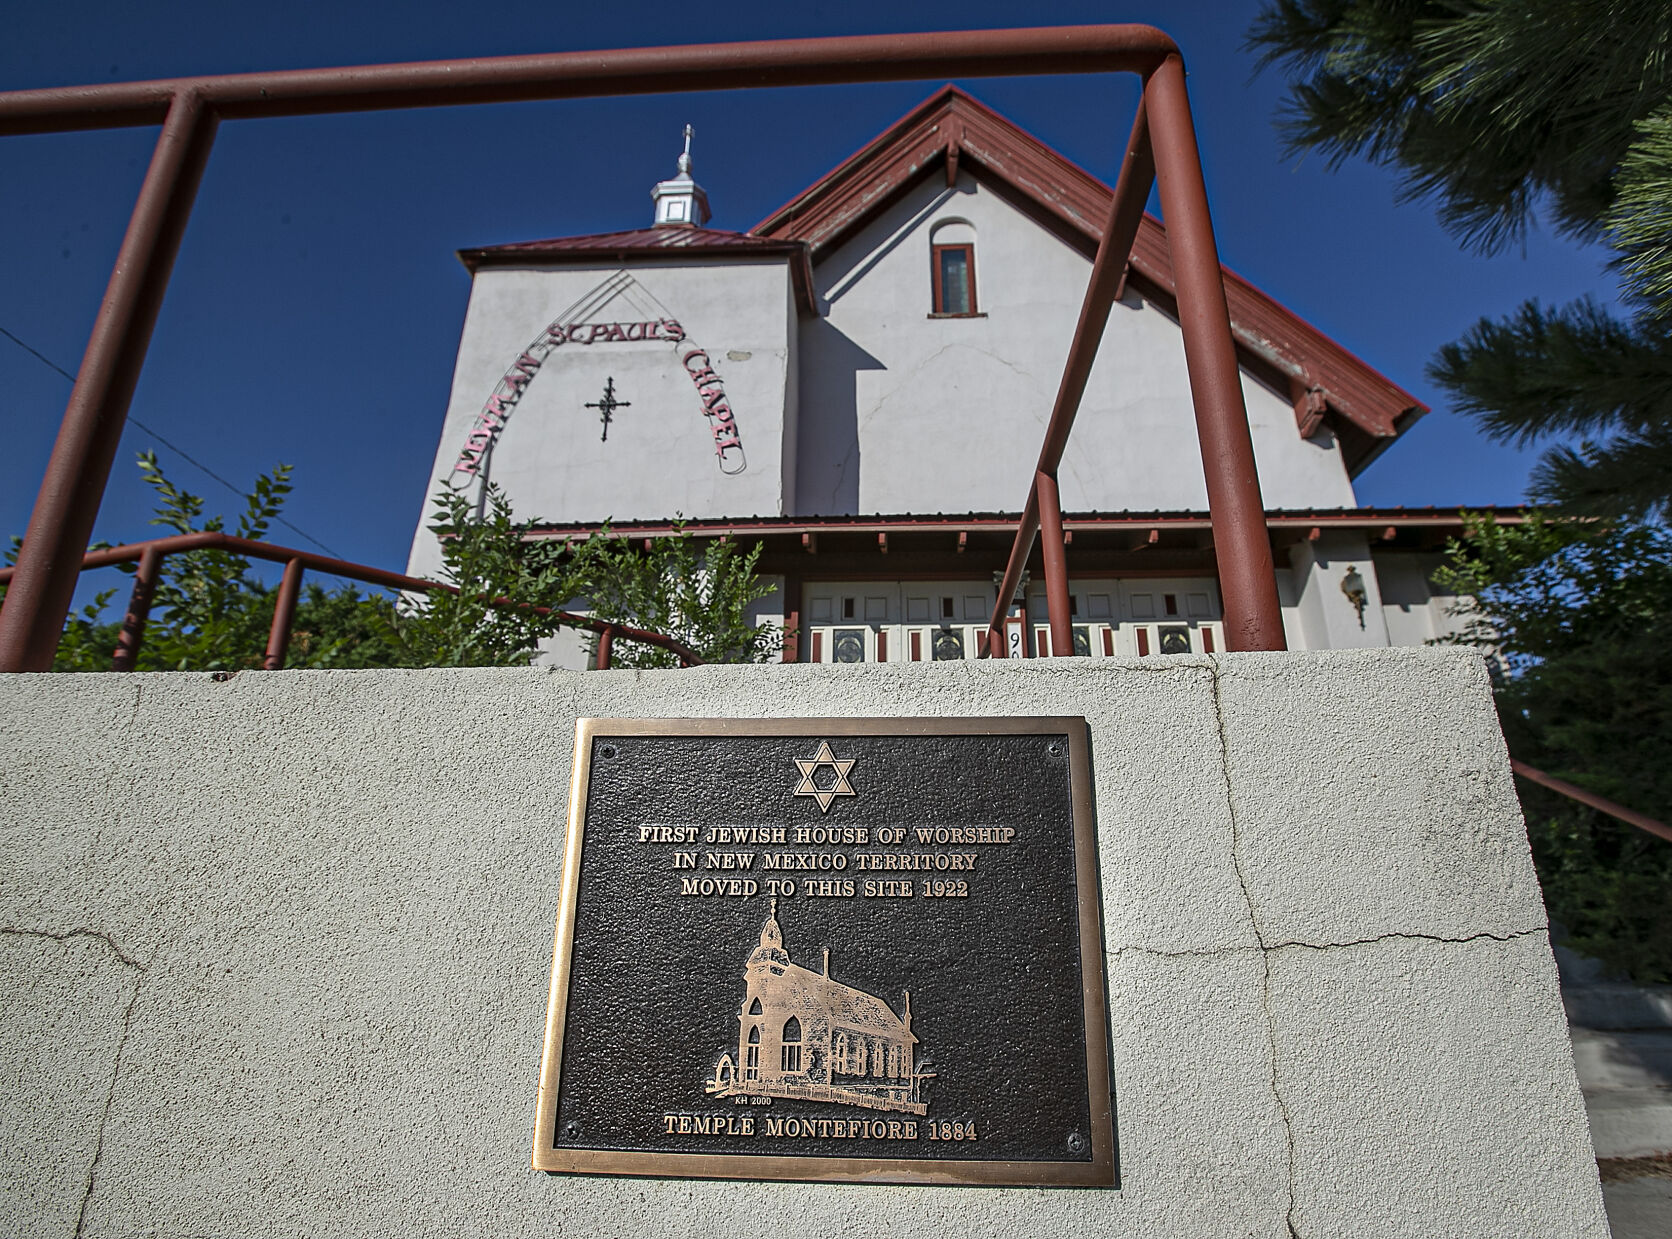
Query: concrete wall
{"type": "Point", "coordinates": [1325, 615]}
{"type": "Point", "coordinates": [659, 460]}
{"type": "Point", "coordinates": [1411, 608]}
{"type": "Point", "coordinates": [276, 952]}
{"type": "Point", "coordinates": [905, 413]}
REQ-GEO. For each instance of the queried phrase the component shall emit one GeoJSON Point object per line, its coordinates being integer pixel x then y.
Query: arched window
{"type": "Point", "coordinates": [755, 1007]}
{"type": "Point", "coordinates": [792, 1045]}
{"type": "Point", "coordinates": [952, 268]}
{"type": "Point", "coordinates": [840, 1051]}
{"type": "Point", "coordinates": [894, 1061]}
{"type": "Point", "coordinates": [752, 1059]}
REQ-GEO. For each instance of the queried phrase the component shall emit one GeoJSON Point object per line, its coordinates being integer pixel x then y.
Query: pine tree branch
{"type": "Point", "coordinates": [1489, 108]}
{"type": "Point", "coordinates": [1571, 370]}
{"type": "Point", "coordinates": [1628, 475]}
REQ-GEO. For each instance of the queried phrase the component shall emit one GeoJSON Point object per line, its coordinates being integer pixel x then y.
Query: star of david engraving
{"type": "Point", "coordinates": [809, 767]}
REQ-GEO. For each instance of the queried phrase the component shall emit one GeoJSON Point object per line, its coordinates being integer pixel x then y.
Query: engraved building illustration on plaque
{"type": "Point", "coordinates": [802, 1035]}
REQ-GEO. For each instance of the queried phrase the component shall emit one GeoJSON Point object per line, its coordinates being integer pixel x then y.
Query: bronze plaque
{"type": "Point", "coordinates": [846, 949]}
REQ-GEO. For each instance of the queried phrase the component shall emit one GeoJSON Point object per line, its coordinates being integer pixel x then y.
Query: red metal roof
{"type": "Point", "coordinates": [1369, 410]}
{"type": "Point", "coordinates": [643, 242]}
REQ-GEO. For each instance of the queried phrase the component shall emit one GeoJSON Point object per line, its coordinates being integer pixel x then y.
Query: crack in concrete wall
{"type": "Point", "coordinates": [1267, 949]}
{"type": "Point", "coordinates": [1265, 955]}
{"type": "Point", "coordinates": [1273, 948]}
{"type": "Point", "coordinates": [67, 934]}
{"type": "Point", "coordinates": [128, 961]}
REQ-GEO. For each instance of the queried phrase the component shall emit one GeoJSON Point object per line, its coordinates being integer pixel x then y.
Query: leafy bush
{"type": "Point", "coordinates": [700, 597]}
{"type": "Point", "coordinates": [210, 612]}
{"type": "Point", "coordinates": [484, 560]}
{"type": "Point", "coordinates": [1581, 613]}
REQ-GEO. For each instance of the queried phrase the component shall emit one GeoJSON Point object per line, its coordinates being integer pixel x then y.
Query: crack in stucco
{"type": "Point", "coordinates": [104, 1113]}
{"type": "Point", "coordinates": [842, 476]}
{"type": "Point", "coordinates": [1267, 949]}
{"type": "Point", "coordinates": [1003, 361]}
{"type": "Point", "coordinates": [128, 961]}
{"type": "Point", "coordinates": [114, 771]}
{"type": "Point", "coordinates": [1484, 934]}
{"type": "Point", "coordinates": [67, 934]}
{"type": "Point", "coordinates": [1215, 952]}
{"type": "Point", "coordinates": [139, 696]}
{"type": "Point", "coordinates": [1265, 955]}
{"type": "Point", "coordinates": [881, 407]}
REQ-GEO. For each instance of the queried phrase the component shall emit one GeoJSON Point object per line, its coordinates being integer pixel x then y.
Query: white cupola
{"type": "Point", "coordinates": [681, 202]}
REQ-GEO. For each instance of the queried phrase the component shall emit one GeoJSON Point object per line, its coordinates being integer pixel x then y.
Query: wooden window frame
{"type": "Point", "coordinates": [935, 252]}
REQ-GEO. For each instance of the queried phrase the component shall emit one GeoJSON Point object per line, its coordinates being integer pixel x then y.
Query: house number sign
{"type": "Point", "coordinates": [843, 949]}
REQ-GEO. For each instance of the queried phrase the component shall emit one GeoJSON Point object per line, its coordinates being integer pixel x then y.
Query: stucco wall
{"type": "Point", "coordinates": [276, 952]}
{"type": "Point", "coordinates": [1413, 612]}
{"type": "Point", "coordinates": [904, 413]}
{"type": "Point", "coordinates": [1328, 620]}
{"type": "Point", "coordinates": [660, 459]}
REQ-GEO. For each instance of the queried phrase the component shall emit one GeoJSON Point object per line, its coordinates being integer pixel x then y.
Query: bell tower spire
{"type": "Point", "coordinates": [680, 201]}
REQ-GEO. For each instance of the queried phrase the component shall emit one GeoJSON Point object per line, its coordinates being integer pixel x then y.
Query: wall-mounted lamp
{"type": "Point", "coordinates": [1353, 586]}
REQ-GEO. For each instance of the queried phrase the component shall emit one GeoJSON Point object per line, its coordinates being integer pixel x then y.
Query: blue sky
{"type": "Point", "coordinates": [316, 303]}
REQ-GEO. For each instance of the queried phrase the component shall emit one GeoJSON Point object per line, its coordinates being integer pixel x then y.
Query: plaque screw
{"type": "Point", "coordinates": [607, 751]}
{"type": "Point", "coordinates": [1055, 750]}
{"type": "Point", "coordinates": [572, 1129]}
{"type": "Point", "coordinates": [1076, 1142]}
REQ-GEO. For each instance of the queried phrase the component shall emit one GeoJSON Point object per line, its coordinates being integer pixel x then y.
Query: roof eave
{"type": "Point", "coordinates": [1073, 203]}
{"type": "Point", "coordinates": [800, 265]}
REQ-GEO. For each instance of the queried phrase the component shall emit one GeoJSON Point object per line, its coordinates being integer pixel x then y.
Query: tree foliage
{"type": "Point", "coordinates": [1498, 110]}
{"type": "Point", "coordinates": [1581, 611]}
{"type": "Point", "coordinates": [700, 597]}
{"type": "Point", "coordinates": [211, 612]}
{"type": "Point", "coordinates": [1487, 106]}
{"type": "Point", "coordinates": [1640, 219]}
{"type": "Point", "coordinates": [487, 559]}
{"type": "Point", "coordinates": [1575, 370]}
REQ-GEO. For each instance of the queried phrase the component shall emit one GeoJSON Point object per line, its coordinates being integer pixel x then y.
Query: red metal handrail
{"type": "Point", "coordinates": [1162, 149]}
{"type": "Point", "coordinates": [150, 556]}
{"type": "Point", "coordinates": [1600, 803]}
{"type": "Point", "coordinates": [1162, 152]}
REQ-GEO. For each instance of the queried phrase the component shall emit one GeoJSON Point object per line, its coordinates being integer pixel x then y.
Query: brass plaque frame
{"type": "Point", "coordinates": [1099, 1171]}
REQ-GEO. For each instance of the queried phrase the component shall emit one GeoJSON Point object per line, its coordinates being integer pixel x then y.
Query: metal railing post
{"type": "Point", "coordinates": [284, 611]}
{"type": "Point", "coordinates": [1026, 530]}
{"type": "Point", "coordinates": [1126, 212]}
{"type": "Point", "coordinates": [1242, 547]}
{"type": "Point", "coordinates": [1590, 799]}
{"type": "Point", "coordinates": [606, 639]}
{"type": "Point", "coordinates": [62, 522]}
{"type": "Point", "coordinates": [1056, 565]}
{"type": "Point", "coordinates": [296, 561]}
{"type": "Point", "coordinates": [132, 635]}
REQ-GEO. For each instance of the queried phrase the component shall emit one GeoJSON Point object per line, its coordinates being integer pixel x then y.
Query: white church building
{"type": "Point", "coordinates": [861, 383]}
